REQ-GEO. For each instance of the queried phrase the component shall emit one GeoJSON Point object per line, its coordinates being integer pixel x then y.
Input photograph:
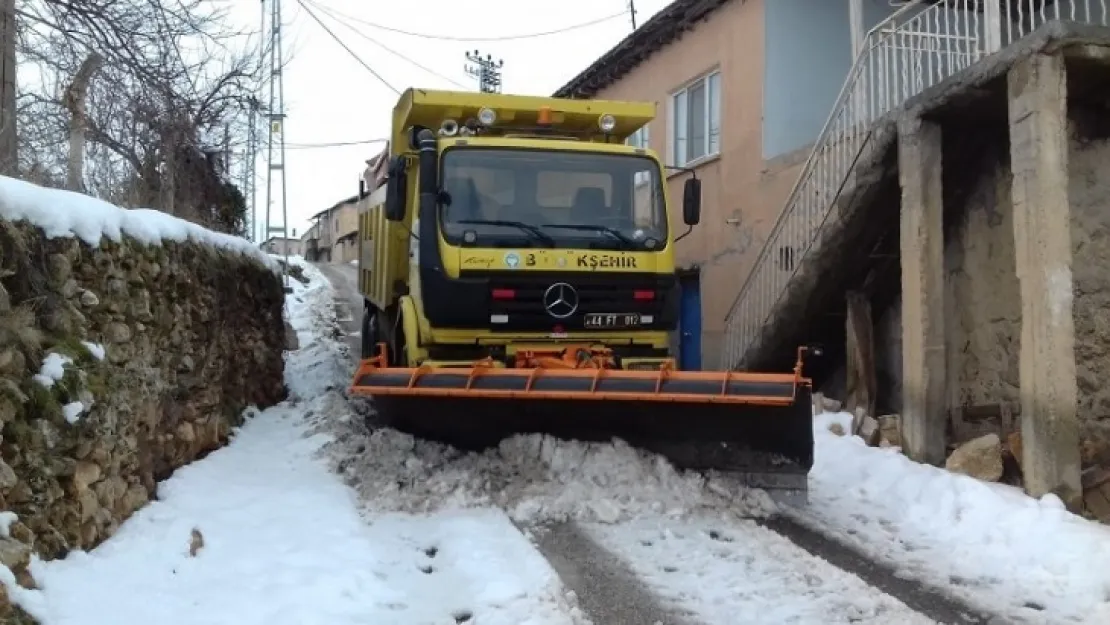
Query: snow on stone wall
{"type": "Point", "coordinates": [131, 342]}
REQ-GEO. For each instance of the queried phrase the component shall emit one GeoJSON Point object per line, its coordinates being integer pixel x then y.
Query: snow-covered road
{"type": "Point", "coordinates": [312, 516]}
{"type": "Point", "coordinates": [587, 506]}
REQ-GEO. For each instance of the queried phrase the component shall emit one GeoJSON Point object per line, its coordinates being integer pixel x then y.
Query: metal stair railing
{"type": "Point", "coordinates": [914, 48]}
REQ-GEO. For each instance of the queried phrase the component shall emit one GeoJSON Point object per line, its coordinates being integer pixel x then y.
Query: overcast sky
{"type": "Point", "coordinates": [331, 98]}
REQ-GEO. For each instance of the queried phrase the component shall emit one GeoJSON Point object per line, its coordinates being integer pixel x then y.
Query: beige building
{"type": "Point", "coordinates": [718, 67]}
{"type": "Point", "coordinates": [333, 235]}
{"type": "Point", "coordinates": [743, 88]}
{"type": "Point", "coordinates": [310, 241]}
{"type": "Point", "coordinates": [284, 246]}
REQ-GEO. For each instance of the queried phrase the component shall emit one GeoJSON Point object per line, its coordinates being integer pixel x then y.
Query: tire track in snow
{"type": "Point", "coordinates": [924, 599]}
{"type": "Point", "coordinates": [606, 589]}
{"type": "Point", "coordinates": [344, 278]}
{"type": "Point", "coordinates": [727, 571]}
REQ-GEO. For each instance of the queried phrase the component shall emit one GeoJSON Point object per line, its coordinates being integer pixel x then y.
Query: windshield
{"type": "Point", "coordinates": [532, 198]}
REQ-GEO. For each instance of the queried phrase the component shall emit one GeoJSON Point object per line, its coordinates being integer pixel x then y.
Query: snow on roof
{"type": "Point", "coordinates": [61, 213]}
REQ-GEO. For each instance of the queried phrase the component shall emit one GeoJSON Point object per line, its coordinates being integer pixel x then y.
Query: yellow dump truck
{"type": "Point", "coordinates": [517, 265]}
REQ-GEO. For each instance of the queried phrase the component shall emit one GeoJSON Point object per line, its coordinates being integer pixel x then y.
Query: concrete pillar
{"type": "Point", "coordinates": [922, 243]}
{"type": "Point", "coordinates": [992, 26]}
{"type": "Point", "coordinates": [855, 26]}
{"type": "Point", "coordinates": [1042, 238]}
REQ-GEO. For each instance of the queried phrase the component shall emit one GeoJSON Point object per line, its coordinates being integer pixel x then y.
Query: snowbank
{"type": "Point", "coordinates": [63, 213]}
{"type": "Point", "coordinates": [537, 479]}
{"type": "Point", "coordinates": [989, 544]}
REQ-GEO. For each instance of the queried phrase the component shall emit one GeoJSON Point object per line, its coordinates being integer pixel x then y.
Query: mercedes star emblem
{"type": "Point", "coordinates": [560, 300]}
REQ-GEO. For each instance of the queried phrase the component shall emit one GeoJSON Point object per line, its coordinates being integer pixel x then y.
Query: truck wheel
{"type": "Point", "coordinates": [383, 330]}
{"type": "Point", "coordinates": [370, 334]}
{"type": "Point", "coordinates": [399, 353]}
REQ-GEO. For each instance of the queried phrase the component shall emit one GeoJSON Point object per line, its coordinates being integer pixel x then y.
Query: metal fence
{"type": "Point", "coordinates": [916, 47]}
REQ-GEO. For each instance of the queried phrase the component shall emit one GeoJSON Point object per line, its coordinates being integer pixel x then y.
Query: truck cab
{"type": "Point", "coordinates": [512, 225]}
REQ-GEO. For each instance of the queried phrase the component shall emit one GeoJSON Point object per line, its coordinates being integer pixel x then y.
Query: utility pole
{"type": "Point", "coordinates": [252, 130]}
{"type": "Point", "coordinates": [250, 175]}
{"type": "Point", "coordinates": [8, 145]}
{"type": "Point", "coordinates": [275, 113]}
{"type": "Point", "coordinates": [632, 12]}
{"type": "Point", "coordinates": [487, 71]}
{"type": "Point", "coordinates": [247, 177]}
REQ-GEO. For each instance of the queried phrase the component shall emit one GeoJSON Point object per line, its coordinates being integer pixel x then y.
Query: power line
{"type": "Point", "coordinates": [345, 47]}
{"type": "Point", "coordinates": [483, 39]}
{"type": "Point", "coordinates": [332, 144]}
{"type": "Point", "coordinates": [335, 15]}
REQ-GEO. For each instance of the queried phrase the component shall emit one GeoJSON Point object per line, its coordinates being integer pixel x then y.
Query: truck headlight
{"type": "Point", "coordinates": [607, 123]}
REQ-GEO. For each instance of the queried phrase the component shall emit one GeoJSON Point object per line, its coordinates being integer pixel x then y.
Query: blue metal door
{"type": "Point", "coordinates": [689, 323]}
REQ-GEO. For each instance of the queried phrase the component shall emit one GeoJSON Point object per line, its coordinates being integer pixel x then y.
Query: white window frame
{"type": "Point", "coordinates": [640, 139]}
{"type": "Point", "coordinates": [679, 114]}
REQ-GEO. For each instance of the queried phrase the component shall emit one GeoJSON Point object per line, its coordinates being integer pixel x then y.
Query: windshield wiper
{"type": "Point", "coordinates": [613, 232]}
{"type": "Point", "coordinates": [535, 232]}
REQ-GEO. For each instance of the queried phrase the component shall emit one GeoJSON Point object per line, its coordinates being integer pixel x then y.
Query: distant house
{"type": "Point", "coordinates": [310, 241]}
{"type": "Point", "coordinates": [333, 235]}
{"type": "Point", "coordinates": [345, 231]}
{"type": "Point", "coordinates": [282, 246]}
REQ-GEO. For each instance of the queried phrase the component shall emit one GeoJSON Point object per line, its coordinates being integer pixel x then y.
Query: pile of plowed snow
{"type": "Point", "coordinates": [536, 479]}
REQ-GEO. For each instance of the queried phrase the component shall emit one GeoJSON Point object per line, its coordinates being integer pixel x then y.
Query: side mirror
{"type": "Point", "coordinates": [395, 192]}
{"type": "Point", "coordinates": [414, 137]}
{"type": "Point", "coordinates": [691, 202]}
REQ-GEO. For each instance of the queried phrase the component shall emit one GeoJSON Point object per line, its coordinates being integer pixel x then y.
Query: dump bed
{"type": "Point", "coordinates": [429, 108]}
{"type": "Point", "coordinates": [383, 250]}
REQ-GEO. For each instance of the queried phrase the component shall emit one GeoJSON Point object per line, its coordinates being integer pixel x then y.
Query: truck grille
{"type": "Point", "coordinates": [521, 301]}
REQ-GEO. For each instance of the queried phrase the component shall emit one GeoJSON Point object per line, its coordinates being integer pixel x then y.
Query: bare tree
{"type": "Point", "coordinates": [75, 101]}
{"type": "Point", "coordinates": [122, 113]}
{"type": "Point", "coordinates": [8, 154]}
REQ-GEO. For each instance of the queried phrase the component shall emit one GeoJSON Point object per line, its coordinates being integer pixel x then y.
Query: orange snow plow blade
{"type": "Point", "coordinates": [756, 425]}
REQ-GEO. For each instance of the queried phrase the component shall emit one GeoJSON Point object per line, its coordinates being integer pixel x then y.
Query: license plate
{"type": "Point", "coordinates": [612, 320]}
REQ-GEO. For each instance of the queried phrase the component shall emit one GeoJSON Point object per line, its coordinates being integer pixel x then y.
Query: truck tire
{"type": "Point", "coordinates": [398, 356]}
{"type": "Point", "coordinates": [370, 333]}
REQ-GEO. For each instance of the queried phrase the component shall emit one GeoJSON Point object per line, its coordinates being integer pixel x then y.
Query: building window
{"type": "Point", "coordinates": [641, 139]}
{"type": "Point", "coordinates": [696, 120]}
